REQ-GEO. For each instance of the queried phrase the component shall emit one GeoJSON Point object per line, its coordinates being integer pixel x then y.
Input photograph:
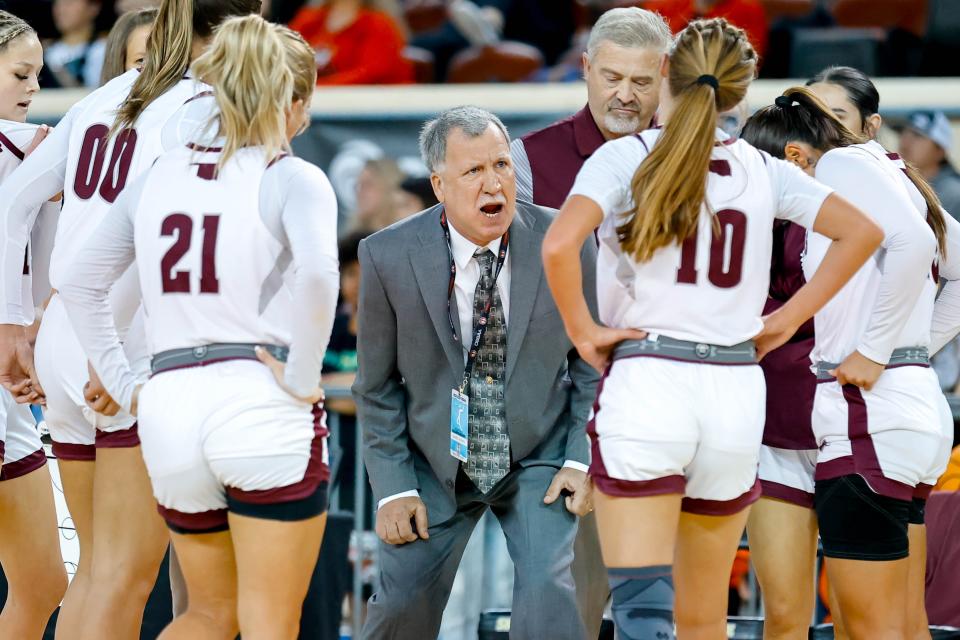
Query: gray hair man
{"type": "Point", "coordinates": [622, 67]}
{"type": "Point", "coordinates": [469, 394]}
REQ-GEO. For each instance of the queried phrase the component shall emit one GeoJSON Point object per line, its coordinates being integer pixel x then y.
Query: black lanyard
{"type": "Point", "coordinates": [481, 329]}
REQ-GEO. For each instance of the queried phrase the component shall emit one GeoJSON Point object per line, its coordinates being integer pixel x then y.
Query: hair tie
{"type": "Point", "coordinates": [783, 102]}
{"type": "Point", "coordinates": [710, 80]}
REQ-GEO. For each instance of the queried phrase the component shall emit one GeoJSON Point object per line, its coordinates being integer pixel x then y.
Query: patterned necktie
{"type": "Point", "coordinates": [489, 458]}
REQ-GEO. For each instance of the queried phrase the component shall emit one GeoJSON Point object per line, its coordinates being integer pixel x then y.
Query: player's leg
{"type": "Point", "coordinates": [209, 570]}
{"type": "Point", "coordinates": [275, 561]}
{"type": "Point", "coordinates": [76, 477]}
{"type": "Point", "coordinates": [131, 540]}
{"type": "Point", "coordinates": [782, 529]}
{"type": "Point", "coordinates": [865, 542]}
{"type": "Point", "coordinates": [706, 546]}
{"type": "Point", "coordinates": [917, 624]}
{"type": "Point", "coordinates": [29, 554]}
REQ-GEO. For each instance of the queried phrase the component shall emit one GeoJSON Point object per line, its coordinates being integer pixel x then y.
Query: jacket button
{"type": "Point", "coordinates": [449, 483]}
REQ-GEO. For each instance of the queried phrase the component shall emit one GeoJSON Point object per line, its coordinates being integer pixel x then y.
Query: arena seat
{"type": "Point", "coordinates": [776, 9]}
{"type": "Point", "coordinates": [744, 628]}
{"type": "Point", "coordinates": [495, 625]}
{"type": "Point", "coordinates": [426, 15]}
{"type": "Point", "coordinates": [505, 61]}
{"type": "Point", "coordinates": [943, 22]}
{"type": "Point", "coordinates": [423, 63]}
{"type": "Point", "coordinates": [885, 14]}
{"type": "Point", "coordinates": [814, 49]}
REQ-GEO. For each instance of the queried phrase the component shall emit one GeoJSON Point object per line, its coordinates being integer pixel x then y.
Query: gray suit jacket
{"type": "Point", "coordinates": [409, 360]}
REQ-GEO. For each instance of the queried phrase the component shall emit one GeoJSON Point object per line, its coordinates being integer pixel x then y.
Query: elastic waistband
{"type": "Point", "coordinates": [686, 351]}
{"type": "Point", "coordinates": [210, 353]}
{"type": "Point", "coordinates": [904, 356]}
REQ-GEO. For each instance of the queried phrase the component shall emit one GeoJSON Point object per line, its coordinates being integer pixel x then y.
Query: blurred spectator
{"type": "Point", "coordinates": [127, 43]}
{"type": "Point", "coordinates": [76, 58]}
{"type": "Point", "coordinates": [950, 480]}
{"type": "Point", "coordinates": [414, 195]}
{"type": "Point", "coordinates": [357, 42]}
{"type": "Point", "coordinates": [126, 6]}
{"type": "Point", "coordinates": [746, 14]}
{"type": "Point", "coordinates": [547, 25]}
{"type": "Point", "coordinates": [925, 141]}
{"type": "Point", "coordinates": [377, 187]}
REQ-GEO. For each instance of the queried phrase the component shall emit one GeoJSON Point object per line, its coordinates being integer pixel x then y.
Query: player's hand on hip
{"type": "Point", "coordinates": [39, 136]}
{"type": "Point", "coordinates": [96, 395]}
{"type": "Point", "coordinates": [278, 368]}
{"type": "Point", "coordinates": [402, 520]}
{"type": "Point", "coordinates": [777, 329]}
{"type": "Point", "coordinates": [578, 487]}
{"type": "Point", "coordinates": [17, 373]}
{"type": "Point", "coordinates": [858, 370]}
{"type": "Point", "coordinates": [596, 346]}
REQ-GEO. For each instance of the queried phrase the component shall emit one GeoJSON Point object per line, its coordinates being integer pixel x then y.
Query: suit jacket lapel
{"type": "Point", "coordinates": [431, 267]}
{"type": "Point", "coordinates": [526, 270]}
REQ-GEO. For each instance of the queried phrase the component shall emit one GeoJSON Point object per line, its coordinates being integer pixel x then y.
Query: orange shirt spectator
{"type": "Point", "coordinates": [746, 14]}
{"type": "Point", "coordinates": [366, 49]}
{"type": "Point", "coordinates": [950, 480]}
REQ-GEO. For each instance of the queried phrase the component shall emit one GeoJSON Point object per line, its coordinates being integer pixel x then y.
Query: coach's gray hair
{"type": "Point", "coordinates": [473, 121]}
{"type": "Point", "coordinates": [11, 28]}
{"type": "Point", "coordinates": [630, 27]}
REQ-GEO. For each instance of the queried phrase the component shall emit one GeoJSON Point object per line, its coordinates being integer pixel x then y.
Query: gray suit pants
{"type": "Point", "coordinates": [416, 577]}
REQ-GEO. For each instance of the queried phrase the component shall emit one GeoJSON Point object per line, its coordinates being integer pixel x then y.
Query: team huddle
{"type": "Point", "coordinates": [169, 281]}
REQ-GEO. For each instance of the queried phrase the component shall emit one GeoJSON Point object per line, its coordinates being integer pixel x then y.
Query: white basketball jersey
{"type": "Point", "coordinates": [14, 138]}
{"type": "Point", "coordinates": [210, 270]}
{"type": "Point", "coordinates": [843, 322]}
{"type": "Point", "coordinates": [96, 172]}
{"type": "Point", "coordinates": [712, 288]}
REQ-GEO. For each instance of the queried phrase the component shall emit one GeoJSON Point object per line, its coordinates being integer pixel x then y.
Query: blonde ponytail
{"type": "Point", "coordinates": [248, 67]}
{"type": "Point", "coordinates": [711, 67]}
{"type": "Point", "coordinates": [11, 28]}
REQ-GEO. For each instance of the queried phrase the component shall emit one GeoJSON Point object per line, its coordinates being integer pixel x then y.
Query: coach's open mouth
{"type": "Point", "coordinates": [491, 210]}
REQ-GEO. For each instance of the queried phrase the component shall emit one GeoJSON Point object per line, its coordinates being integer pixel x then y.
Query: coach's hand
{"type": "Point", "coordinates": [96, 396]}
{"type": "Point", "coordinates": [596, 345]}
{"type": "Point", "coordinates": [858, 370]}
{"type": "Point", "coordinates": [278, 368]}
{"type": "Point", "coordinates": [579, 489]}
{"type": "Point", "coordinates": [17, 373]}
{"type": "Point", "coordinates": [394, 524]}
{"type": "Point", "coordinates": [777, 329]}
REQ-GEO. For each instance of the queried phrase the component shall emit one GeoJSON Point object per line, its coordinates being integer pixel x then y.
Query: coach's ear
{"type": "Point", "coordinates": [437, 183]}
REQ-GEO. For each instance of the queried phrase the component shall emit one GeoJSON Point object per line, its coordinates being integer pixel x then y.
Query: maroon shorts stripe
{"type": "Point", "coordinates": [863, 461]}
{"type": "Point", "coordinates": [922, 491]}
{"type": "Point", "coordinates": [74, 451]}
{"type": "Point", "coordinates": [2, 450]}
{"type": "Point", "coordinates": [202, 522]}
{"type": "Point", "coordinates": [799, 497]}
{"type": "Point", "coordinates": [23, 466]}
{"type": "Point", "coordinates": [120, 439]}
{"type": "Point", "coordinates": [722, 507]}
{"type": "Point", "coordinates": [617, 486]}
{"type": "Point", "coordinates": [315, 473]}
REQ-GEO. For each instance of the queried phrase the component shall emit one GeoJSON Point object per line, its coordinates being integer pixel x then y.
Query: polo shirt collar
{"type": "Point", "coordinates": [586, 133]}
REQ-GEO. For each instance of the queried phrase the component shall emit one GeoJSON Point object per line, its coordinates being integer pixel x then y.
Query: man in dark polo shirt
{"type": "Point", "coordinates": [622, 70]}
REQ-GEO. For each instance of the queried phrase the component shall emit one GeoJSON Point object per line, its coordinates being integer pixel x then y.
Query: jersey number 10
{"type": "Point", "coordinates": [181, 226]}
{"type": "Point", "coordinates": [725, 270]}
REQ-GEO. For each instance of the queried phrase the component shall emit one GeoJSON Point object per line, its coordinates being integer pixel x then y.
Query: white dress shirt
{"type": "Point", "coordinates": [464, 287]}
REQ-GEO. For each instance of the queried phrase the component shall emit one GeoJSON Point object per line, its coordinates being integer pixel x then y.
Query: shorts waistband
{"type": "Point", "coordinates": [903, 356]}
{"type": "Point", "coordinates": [210, 353]}
{"type": "Point", "coordinates": [673, 349]}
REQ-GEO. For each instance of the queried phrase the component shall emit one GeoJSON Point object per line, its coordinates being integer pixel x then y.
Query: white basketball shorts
{"type": "Point", "coordinates": [20, 448]}
{"type": "Point", "coordinates": [787, 474]}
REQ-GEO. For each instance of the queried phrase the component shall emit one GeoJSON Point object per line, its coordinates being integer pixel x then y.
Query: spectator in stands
{"type": "Point", "coordinates": [76, 58]}
{"type": "Point", "coordinates": [127, 43]}
{"type": "Point", "coordinates": [357, 41]}
{"type": "Point", "coordinates": [377, 187]}
{"type": "Point", "coordinates": [925, 142]}
{"type": "Point", "coordinates": [415, 194]}
{"type": "Point", "coordinates": [746, 14]}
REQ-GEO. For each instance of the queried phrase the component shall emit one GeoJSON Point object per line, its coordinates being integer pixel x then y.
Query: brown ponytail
{"type": "Point", "coordinates": [935, 219]}
{"type": "Point", "coordinates": [711, 67]}
{"type": "Point", "coordinates": [170, 48]}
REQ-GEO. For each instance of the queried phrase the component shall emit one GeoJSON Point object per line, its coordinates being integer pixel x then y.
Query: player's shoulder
{"type": "Point", "coordinates": [289, 168]}
{"type": "Point", "coordinates": [15, 136]}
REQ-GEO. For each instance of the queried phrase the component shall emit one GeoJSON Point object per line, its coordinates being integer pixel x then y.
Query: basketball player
{"type": "Point", "coordinates": [879, 436]}
{"type": "Point", "coordinates": [685, 226]}
{"type": "Point", "coordinates": [101, 145]}
{"type": "Point", "coordinates": [29, 544]}
{"type": "Point", "coordinates": [235, 245]}
{"type": "Point", "coordinates": [854, 99]}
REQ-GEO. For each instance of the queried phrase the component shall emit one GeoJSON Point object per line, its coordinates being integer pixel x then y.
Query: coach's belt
{"type": "Point", "coordinates": [673, 349]}
{"type": "Point", "coordinates": [900, 357]}
{"type": "Point", "coordinates": [207, 354]}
